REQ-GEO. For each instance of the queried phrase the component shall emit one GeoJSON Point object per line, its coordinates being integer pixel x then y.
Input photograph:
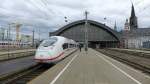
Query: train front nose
{"type": "Point", "coordinates": [42, 55]}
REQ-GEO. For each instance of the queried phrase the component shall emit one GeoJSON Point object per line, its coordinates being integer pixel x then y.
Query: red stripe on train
{"type": "Point", "coordinates": [52, 58]}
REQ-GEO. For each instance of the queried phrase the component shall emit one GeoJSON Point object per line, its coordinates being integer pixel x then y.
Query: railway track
{"type": "Point", "coordinates": [25, 76]}
{"type": "Point", "coordinates": [138, 54]}
{"type": "Point", "coordinates": [139, 63]}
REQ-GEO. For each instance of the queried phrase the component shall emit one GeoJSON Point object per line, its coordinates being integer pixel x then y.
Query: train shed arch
{"type": "Point", "coordinates": [99, 35]}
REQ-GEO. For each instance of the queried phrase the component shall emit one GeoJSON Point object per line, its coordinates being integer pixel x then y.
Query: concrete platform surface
{"type": "Point", "coordinates": [91, 68]}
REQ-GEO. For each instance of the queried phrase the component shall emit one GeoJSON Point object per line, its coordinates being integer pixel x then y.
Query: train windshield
{"type": "Point", "coordinates": [49, 42]}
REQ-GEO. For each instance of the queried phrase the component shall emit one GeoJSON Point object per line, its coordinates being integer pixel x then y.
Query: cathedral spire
{"type": "Point", "coordinates": [133, 11]}
{"type": "Point", "coordinates": [133, 19]}
{"type": "Point", "coordinates": [115, 26]}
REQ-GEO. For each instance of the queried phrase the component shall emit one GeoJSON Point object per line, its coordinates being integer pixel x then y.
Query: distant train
{"type": "Point", "coordinates": [53, 49]}
{"type": "Point", "coordinates": [13, 44]}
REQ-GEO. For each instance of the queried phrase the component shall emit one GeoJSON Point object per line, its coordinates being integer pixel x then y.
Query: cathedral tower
{"type": "Point", "coordinates": [133, 20]}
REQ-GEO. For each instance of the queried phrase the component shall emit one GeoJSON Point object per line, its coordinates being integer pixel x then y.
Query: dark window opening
{"type": "Point", "coordinates": [65, 45]}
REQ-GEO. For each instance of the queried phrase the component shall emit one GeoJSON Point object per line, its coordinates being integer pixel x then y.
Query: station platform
{"type": "Point", "coordinates": [5, 55]}
{"type": "Point", "coordinates": [10, 66]}
{"type": "Point", "coordinates": [16, 51]}
{"type": "Point", "coordinates": [91, 67]}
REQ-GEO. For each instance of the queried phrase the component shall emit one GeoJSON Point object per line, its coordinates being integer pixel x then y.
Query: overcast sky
{"type": "Point", "coordinates": [48, 15]}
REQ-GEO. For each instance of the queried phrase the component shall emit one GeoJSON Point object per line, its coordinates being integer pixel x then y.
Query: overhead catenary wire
{"type": "Point", "coordinates": [39, 8]}
{"type": "Point", "coordinates": [45, 2]}
{"type": "Point", "coordinates": [140, 4]}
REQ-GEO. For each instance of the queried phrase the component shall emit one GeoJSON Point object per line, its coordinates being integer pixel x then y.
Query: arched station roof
{"type": "Point", "coordinates": [99, 25]}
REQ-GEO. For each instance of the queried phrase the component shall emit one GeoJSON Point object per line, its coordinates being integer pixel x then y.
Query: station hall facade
{"type": "Point", "coordinates": [99, 35]}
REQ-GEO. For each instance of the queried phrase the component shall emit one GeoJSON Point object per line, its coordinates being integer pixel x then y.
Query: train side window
{"type": "Point", "coordinates": [69, 45]}
{"type": "Point", "coordinates": [65, 46]}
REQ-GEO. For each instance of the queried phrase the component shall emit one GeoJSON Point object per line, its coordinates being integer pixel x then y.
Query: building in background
{"type": "Point", "coordinates": [2, 33]}
{"type": "Point", "coordinates": [133, 36]}
{"type": "Point", "coordinates": [26, 38]}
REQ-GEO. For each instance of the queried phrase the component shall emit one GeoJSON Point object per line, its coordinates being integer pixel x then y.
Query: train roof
{"type": "Point", "coordinates": [64, 38]}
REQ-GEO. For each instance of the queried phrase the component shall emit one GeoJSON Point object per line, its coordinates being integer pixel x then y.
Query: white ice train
{"type": "Point", "coordinates": [53, 49]}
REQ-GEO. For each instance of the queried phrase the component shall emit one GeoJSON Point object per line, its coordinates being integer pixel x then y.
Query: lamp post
{"type": "Point", "coordinates": [39, 32]}
{"type": "Point", "coordinates": [66, 19]}
{"type": "Point", "coordinates": [33, 38]}
{"type": "Point", "coordinates": [8, 36]}
{"type": "Point", "coordinates": [3, 34]}
{"type": "Point", "coordinates": [86, 31]}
